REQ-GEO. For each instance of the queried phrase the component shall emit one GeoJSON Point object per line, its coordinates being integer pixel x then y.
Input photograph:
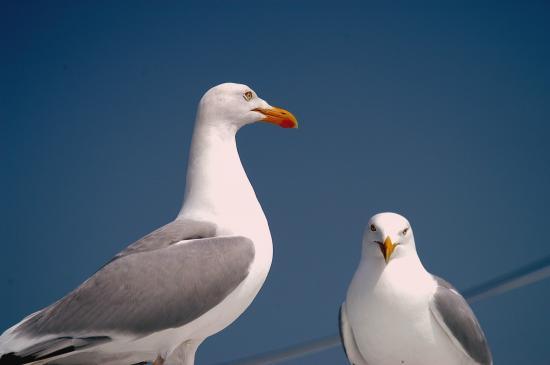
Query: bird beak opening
{"type": "Point", "coordinates": [281, 117]}
{"type": "Point", "coordinates": [387, 248]}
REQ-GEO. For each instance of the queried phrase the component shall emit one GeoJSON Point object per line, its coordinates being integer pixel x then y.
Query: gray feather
{"type": "Point", "coordinates": [459, 322]}
{"type": "Point", "coordinates": [175, 231]}
{"type": "Point", "coordinates": [152, 285]}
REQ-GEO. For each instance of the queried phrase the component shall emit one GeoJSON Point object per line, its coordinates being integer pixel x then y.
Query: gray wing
{"type": "Point", "coordinates": [175, 231]}
{"type": "Point", "coordinates": [151, 286]}
{"type": "Point", "coordinates": [348, 340]}
{"type": "Point", "coordinates": [457, 319]}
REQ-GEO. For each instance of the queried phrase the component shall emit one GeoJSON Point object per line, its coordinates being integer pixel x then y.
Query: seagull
{"type": "Point", "coordinates": [396, 312]}
{"type": "Point", "coordinates": [163, 295]}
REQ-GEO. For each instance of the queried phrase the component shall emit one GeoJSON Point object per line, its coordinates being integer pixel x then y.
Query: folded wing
{"type": "Point", "coordinates": [457, 319]}
{"type": "Point", "coordinates": [165, 280]}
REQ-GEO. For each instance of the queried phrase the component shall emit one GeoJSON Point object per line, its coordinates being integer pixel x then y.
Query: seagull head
{"type": "Point", "coordinates": [239, 105]}
{"type": "Point", "coordinates": [388, 235]}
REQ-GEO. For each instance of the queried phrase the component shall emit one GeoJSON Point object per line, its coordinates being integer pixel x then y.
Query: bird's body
{"type": "Point", "coordinates": [163, 295]}
{"type": "Point", "coordinates": [392, 313]}
{"type": "Point", "coordinates": [385, 307]}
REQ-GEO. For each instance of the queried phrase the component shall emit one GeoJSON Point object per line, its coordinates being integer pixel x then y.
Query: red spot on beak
{"type": "Point", "coordinates": [287, 123]}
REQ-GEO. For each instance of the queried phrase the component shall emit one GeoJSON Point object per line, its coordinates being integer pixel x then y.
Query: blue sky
{"type": "Point", "coordinates": [436, 111]}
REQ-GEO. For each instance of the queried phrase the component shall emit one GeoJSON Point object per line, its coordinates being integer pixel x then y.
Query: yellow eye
{"type": "Point", "coordinates": [247, 95]}
{"type": "Point", "coordinates": [373, 227]}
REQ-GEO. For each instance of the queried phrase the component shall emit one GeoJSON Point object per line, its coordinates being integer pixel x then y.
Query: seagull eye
{"type": "Point", "coordinates": [373, 227]}
{"type": "Point", "coordinates": [247, 95]}
{"type": "Point", "coordinates": [405, 231]}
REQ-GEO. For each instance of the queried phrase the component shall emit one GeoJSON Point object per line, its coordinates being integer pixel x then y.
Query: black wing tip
{"type": "Point", "coordinates": [11, 359]}
{"type": "Point", "coordinates": [14, 359]}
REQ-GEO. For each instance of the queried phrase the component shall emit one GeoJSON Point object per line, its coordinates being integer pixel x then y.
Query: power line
{"type": "Point", "coordinates": [521, 277]}
{"type": "Point", "coordinates": [288, 353]}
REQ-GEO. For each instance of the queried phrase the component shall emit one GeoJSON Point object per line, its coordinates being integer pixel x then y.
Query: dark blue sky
{"type": "Point", "coordinates": [438, 112]}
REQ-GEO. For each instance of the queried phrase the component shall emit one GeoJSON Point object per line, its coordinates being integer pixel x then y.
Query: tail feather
{"type": "Point", "coordinates": [50, 349]}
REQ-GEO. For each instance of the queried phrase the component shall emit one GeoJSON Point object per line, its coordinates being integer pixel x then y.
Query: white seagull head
{"type": "Point", "coordinates": [237, 105]}
{"type": "Point", "coordinates": [388, 236]}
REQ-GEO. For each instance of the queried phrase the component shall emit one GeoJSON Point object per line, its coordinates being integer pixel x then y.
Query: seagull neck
{"type": "Point", "coordinates": [217, 187]}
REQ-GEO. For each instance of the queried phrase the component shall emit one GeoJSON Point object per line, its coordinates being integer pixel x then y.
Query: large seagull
{"type": "Point", "coordinates": [163, 295]}
{"type": "Point", "coordinates": [397, 313]}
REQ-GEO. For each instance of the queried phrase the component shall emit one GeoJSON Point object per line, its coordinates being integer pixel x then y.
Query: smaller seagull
{"type": "Point", "coordinates": [396, 312]}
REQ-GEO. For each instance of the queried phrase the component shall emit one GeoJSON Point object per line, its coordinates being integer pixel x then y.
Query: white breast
{"type": "Point", "coordinates": [391, 320]}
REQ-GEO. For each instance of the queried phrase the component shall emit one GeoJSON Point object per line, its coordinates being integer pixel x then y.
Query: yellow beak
{"type": "Point", "coordinates": [278, 116]}
{"type": "Point", "coordinates": [387, 248]}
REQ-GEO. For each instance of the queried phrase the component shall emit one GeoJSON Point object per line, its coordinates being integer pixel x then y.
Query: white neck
{"type": "Point", "coordinates": [217, 188]}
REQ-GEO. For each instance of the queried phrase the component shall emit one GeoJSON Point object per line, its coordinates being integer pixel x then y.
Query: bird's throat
{"type": "Point", "coordinates": [217, 187]}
